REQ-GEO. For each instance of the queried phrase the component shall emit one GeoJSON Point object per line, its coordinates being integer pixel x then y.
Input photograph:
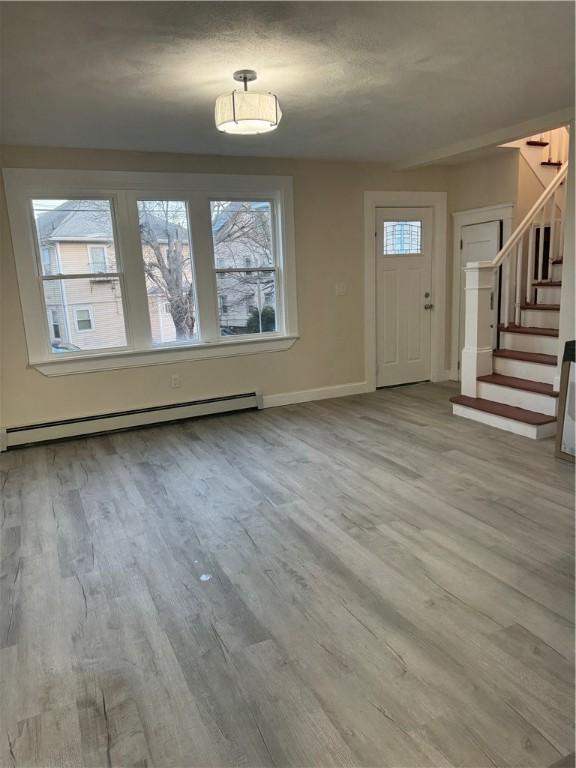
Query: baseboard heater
{"type": "Point", "coordinates": [111, 422]}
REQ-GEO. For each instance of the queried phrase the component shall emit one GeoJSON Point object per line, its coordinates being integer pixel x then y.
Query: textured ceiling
{"type": "Point", "coordinates": [386, 81]}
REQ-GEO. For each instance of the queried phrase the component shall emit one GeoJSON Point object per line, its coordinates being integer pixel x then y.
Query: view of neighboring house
{"type": "Point", "coordinates": [85, 310]}
{"type": "Point", "coordinates": [82, 281]}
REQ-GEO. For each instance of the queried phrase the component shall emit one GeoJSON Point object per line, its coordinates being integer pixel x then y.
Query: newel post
{"type": "Point", "coordinates": [477, 352]}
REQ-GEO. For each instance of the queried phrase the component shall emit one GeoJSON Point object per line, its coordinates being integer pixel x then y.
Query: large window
{"type": "Point", "coordinates": [124, 269]}
{"type": "Point", "coordinates": [245, 266]}
{"type": "Point", "coordinates": [167, 257]}
{"type": "Point", "coordinates": [64, 229]}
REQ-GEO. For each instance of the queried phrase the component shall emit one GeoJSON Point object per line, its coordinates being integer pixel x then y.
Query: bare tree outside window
{"type": "Point", "coordinates": [76, 238]}
{"type": "Point", "coordinates": [245, 266]}
{"type": "Point", "coordinates": [242, 236]}
{"type": "Point", "coordinates": [167, 258]}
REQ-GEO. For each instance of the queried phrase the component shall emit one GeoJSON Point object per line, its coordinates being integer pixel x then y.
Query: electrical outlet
{"type": "Point", "coordinates": [175, 382]}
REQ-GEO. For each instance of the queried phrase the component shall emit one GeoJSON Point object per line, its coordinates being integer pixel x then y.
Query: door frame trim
{"type": "Point", "coordinates": [438, 202]}
{"type": "Point", "coordinates": [503, 212]}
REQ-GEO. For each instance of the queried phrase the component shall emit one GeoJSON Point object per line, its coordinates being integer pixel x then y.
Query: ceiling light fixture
{"type": "Point", "coordinates": [247, 112]}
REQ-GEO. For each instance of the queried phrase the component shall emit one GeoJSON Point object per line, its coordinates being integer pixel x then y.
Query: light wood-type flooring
{"type": "Point", "coordinates": [368, 581]}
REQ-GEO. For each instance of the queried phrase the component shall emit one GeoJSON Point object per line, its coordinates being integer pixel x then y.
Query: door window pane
{"type": "Point", "coordinates": [74, 326]}
{"type": "Point", "coordinates": [69, 232]}
{"type": "Point", "coordinates": [164, 235]}
{"type": "Point", "coordinates": [247, 302]}
{"type": "Point", "coordinates": [402, 238]}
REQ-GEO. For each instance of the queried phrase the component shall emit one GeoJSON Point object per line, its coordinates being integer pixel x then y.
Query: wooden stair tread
{"type": "Point", "coordinates": [542, 307]}
{"type": "Point", "coordinates": [527, 357]}
{"type": "Point", "coordinates": [529, 330]}
{"type": "Point", "coordinates": [513, 382]}
{"type": "Point", "coordinates": [547, 283]}
{"type": "Point", "coordinates": [507, 411]}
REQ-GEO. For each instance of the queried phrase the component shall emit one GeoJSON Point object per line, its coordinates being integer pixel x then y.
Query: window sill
{"type": "Point", "coordinates": [110, 361]}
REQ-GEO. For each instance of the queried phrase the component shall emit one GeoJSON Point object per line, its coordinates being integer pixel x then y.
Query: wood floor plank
{"type": "Point", "coordinates": [361, 582]}
{"type": "Point", "coordinates": [294, 726]}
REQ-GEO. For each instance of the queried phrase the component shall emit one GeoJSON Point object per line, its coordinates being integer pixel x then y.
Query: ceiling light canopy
{"type": "Point", "coordinates": [247, 112]}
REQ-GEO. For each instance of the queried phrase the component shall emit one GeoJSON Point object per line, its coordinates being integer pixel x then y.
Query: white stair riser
{"type": "Point", "coordinates": [540, 318]}
{"type": "Point", "coordinates": [501, 422]}
{"type": "Point", "coordinates": [548, 295]}
{"type": "Point", "coordinates": [527, 342]}
{"type": "Point", "coordinates": [523, 370]}
{"type": "Point", "coordinates": [520, 398]}
{"type": "Point", "coordinates": [556, 272]}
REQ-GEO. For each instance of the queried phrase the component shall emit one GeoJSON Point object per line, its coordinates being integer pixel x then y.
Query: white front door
{"type": "Point", "coordinates": [403, 295]}
{"type": "Point", "coordinates": [478, 242]}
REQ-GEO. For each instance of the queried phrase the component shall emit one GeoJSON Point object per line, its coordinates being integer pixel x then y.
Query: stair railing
{"type": "Point", "coordinates": [537, 242]}
{"type": "Point", "coordinates": [528, 255]}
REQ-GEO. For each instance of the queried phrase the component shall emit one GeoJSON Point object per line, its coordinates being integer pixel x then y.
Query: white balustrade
{"type": "Point", "coordinates": [477, 352]}
{"type": "Point", "coordinates": [522, 257]}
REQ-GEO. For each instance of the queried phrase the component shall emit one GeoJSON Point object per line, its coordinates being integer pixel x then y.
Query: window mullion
{"type": "Point", "coordinates": [245, 269]}
{"type": "Point", "coordinates": [203, 259]}
{"type": "Point", "coordinates": [80, 276]}
{"type": "Point", "coordinates": [134, 283]}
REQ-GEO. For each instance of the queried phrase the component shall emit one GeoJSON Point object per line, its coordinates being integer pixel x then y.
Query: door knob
{"type": "Point", "coordinates": [428, 306]}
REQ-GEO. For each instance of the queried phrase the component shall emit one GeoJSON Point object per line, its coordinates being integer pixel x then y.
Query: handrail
{"type": "Point", "coordinates": [518, 233]}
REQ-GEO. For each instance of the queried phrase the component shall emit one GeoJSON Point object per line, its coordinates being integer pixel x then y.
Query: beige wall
{"type": "Point", "coordinates": [529, 189]}
{"type": "Point", "coordinates": [487, 181]}
{"type": "Point", "coordinates": [328, 200]}
{"type": "Point", "coordinates": [483, 182]}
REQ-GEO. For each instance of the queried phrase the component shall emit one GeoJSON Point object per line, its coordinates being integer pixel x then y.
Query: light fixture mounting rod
{"type": "Point", "coordinates": [245, 76]}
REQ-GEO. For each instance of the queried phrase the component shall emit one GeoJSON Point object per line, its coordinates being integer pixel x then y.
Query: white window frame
{"type": "Point", "coordinates": [91, 247]}
{"type": "Point", "coordinates": [83, 308]}
{"type": "Point", "coordinates": [123, 189]}
{"type": "Point", "coordinates": [275, 269]}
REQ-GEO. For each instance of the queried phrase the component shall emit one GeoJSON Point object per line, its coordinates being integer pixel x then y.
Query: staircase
{"type": "Point", "coordinates": [511, 386]}
{"type": "Point", "coordinates": [544, 152]}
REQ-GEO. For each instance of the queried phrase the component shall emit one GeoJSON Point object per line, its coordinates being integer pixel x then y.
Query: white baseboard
{"type": "Point", "coordinates": [110, 422]}
{"type": "Point", "coordinates": [445, 374]}
{"type": "Point", "coordinates": [322, 393]}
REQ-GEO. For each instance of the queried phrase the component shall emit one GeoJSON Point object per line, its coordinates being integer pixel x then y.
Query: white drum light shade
{"type": "Point", "coordinates": [247, 112]}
